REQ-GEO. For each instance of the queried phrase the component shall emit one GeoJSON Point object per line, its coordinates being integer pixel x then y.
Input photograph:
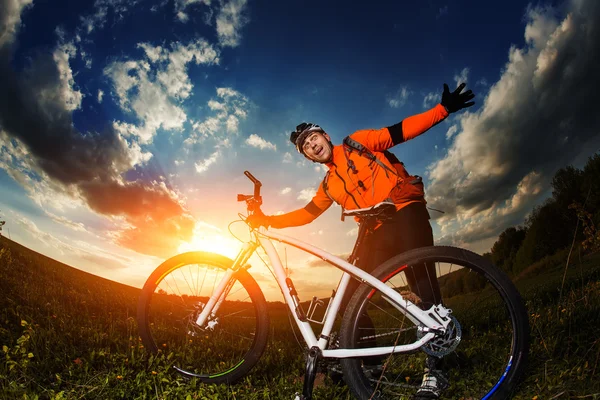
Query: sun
{"type": "Point", "coordinates": [213, 242]}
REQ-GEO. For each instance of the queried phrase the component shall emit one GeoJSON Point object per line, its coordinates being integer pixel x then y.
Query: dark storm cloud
{"type": "Point", "coordinates": [35, 109]}
{"type": "Point", "coordinates": [540, 116]}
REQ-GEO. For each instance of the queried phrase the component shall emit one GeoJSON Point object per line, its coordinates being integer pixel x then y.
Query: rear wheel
{"type": "Point", "coordinates": [483, 352]}
{"type": "Point", "coordinates": [230, 344]}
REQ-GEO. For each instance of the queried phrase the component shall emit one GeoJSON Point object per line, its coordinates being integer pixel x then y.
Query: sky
{"type": "Point", "coordinates": [126, 126]}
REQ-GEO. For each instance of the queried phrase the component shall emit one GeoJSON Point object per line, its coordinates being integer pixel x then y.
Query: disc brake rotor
{"type": "Point", "coordinates": [444, 344]}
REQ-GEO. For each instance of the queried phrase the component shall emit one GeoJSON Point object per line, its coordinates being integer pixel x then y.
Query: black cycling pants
{"type": "Point", "coordinates": [408, 229]}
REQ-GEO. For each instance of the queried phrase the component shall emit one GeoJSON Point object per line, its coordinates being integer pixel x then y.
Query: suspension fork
{"type": "Point", "coordinates": [220, 293]}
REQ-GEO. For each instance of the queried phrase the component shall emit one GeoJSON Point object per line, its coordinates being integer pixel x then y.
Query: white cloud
{"type": "Point", "coordinates": [230, 20]}
{"type": "Point", "coordinates": [181, 5]}
{"type": "Point", "coordinates": [21, 166]}
{"type": "Point", "coordinates": [202, 166]}
{"type": "Point", "coordinates": [70, 249]}
{"type": "Point", "coordinates": [399, 98]}
{"type": "Point", "coordinates": [10, 21]}
{"type": "Point", "coordinates": [155, 100]}
{"type": "Point", "coordinates": [70, 97]}
{"type": "Point", "coordinates": [307, 194]}
{"type": "Point", "coordinates": [175, 78]}
{"type": "Point", "coordinates": [451, 131]}
{"type": "Point", "coordinates": [285, 190]}
{"type": "Point", "coordinates": [100, 95]}
{"type": "Point", "coordinates": [77, 226]}
{"type": "Point", "coordinates": [208, 127]}
{"type": "Point", "coordinates": [463, 76]}
{"type": "Point", "coordinates": [502, 158]}
{"type": "Point", "coordinates": [431, 99]}
{"type": "Point", "coordinates": [154, 53]}
{"type": "Point", "coordinates": [85, 57]}
{"type": "Point", "coordinates": [216, 106]}
{"type": "Point", "coordinates": [232, 107]}
{"type": "Point", "coordinates": [98, 19]}
{"type": "Point", "coordinates": [287, 157]}
{"type": "Point", "coordinates": [256, 141]}
{"type": "Point", "coordinates": [136, 155]}
{"type": "Point", "coordinates": [529, 188]}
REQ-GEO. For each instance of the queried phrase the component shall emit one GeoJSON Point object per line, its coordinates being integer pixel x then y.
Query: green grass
{"type": "Point", "coordinates": [68, 334]}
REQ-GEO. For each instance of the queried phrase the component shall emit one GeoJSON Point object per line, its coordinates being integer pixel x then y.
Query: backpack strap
{"type": "Point", "coordinates": [325, 186]}
{"type": "Point", "coordinates": [327, 191]}
{"type": "Point", "coordinates": [365, 152]}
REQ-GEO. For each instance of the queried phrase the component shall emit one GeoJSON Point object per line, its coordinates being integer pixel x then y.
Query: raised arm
{"type": "Point", "coordinates": [415, 125]}
{"type": "Point", "coordinates": [409, 128]}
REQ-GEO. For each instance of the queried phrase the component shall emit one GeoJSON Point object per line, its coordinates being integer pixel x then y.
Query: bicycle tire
{"type": "Point", "coordinates": [477, 367]}
{"type": "Point", "coordinates": [166, 318]}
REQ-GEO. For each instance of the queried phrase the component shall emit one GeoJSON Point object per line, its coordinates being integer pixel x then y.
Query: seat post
{"type": "Point", "coordinates": [363, 228]}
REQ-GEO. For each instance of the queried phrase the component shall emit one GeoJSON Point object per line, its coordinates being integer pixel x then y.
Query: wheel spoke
{"type": "Point", "coordinates": [219, 350]}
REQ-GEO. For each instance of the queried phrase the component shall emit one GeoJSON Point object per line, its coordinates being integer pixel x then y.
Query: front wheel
{"type": "Point", "coordinates": [481, 356]}
{"type": "Point", "coordinates": [230, 344]}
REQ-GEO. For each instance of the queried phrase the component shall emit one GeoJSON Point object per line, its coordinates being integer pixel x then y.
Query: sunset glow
{"type": "Point", "coordinates": [205, 240]}
{"type": "Point", "coordinates": [128, 125]}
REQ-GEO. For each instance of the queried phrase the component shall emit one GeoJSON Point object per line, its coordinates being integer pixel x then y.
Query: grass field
{"type": "Point", "coordinates": [69, 334]}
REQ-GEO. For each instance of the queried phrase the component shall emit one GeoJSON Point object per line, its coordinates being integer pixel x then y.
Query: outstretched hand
{"type": "Point", "coordinates": [456, 100]}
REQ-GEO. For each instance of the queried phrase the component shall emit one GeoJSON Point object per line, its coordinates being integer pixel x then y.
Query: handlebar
{"type": "Point", "coordinates": [256, 182]}
{"type": "Point", "coordinates": [254, 201]}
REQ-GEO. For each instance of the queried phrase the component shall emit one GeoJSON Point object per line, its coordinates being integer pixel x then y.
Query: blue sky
{"type": "Point", "coordinates": [127, 125]}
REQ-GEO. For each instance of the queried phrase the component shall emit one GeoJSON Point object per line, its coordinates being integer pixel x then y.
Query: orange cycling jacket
{"type": "Point", "coordinates": [354, 181]}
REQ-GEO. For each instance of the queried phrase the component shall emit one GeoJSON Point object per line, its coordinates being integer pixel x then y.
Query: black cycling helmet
{"type": "Point", "coordinates": [301, 133]}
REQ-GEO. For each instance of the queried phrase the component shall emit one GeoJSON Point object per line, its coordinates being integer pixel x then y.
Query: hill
{"type": "Point", "coordinates": [66, 333]}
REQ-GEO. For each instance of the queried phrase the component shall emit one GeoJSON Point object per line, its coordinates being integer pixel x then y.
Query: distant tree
{"type": "Point", "coordinates": [591, 187]}
{"type": "Point", "coordinates": [567, 186]}
{"type": "Point", "coordinates": [488, 256]}
{"type": "Point", "coordinates": [504, 250]}
{"type": "Point", "coordinates": [587, 208]}
{"type": "Point", "coordinates": [2, 222]}
{"type": "Point", "coordinates": [548, 230]}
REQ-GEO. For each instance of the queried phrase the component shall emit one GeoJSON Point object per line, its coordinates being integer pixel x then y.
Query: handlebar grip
{"type": "Point", "coordinates": [252, 178]}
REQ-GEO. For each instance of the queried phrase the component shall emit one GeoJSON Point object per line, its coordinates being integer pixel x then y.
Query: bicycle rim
{"type": "Point", "coordinates": [230, 343]}
{"type": "Point", "coordinates": [481, 356]}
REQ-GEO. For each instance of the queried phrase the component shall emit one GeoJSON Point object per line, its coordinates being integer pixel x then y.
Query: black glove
{"type": "Point", "coordinates": [456, 100]}
{"type": "Point", "coordinates": [258, 219]}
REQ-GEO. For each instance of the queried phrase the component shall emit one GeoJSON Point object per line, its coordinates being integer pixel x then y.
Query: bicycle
{"type": "Point", "coordinates": [209, 313]}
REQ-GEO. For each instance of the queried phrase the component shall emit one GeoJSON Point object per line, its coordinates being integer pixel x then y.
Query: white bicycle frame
{"type": "Point", "coordinates": [430, 322]}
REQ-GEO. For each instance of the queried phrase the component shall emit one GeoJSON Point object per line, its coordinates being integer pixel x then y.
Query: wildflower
{"type": "Point", "coordinates": [154, 372]}
{"type": "Point", "coordinates": [119, 377]}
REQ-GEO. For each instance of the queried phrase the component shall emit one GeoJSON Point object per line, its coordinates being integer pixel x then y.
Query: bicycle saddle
{"type": "Point", "coordinates": [381, 211]}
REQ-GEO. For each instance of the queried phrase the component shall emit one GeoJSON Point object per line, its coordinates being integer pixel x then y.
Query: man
{"type": "Point", "coordinates": [356, 181]}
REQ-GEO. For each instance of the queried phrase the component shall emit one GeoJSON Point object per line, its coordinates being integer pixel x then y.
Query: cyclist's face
{"type": "Point", "coordinates": [316, 147]}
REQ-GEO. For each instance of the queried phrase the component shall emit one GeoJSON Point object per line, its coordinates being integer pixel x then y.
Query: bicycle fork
{"type": "Point", "coordinates": [222, 290]}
